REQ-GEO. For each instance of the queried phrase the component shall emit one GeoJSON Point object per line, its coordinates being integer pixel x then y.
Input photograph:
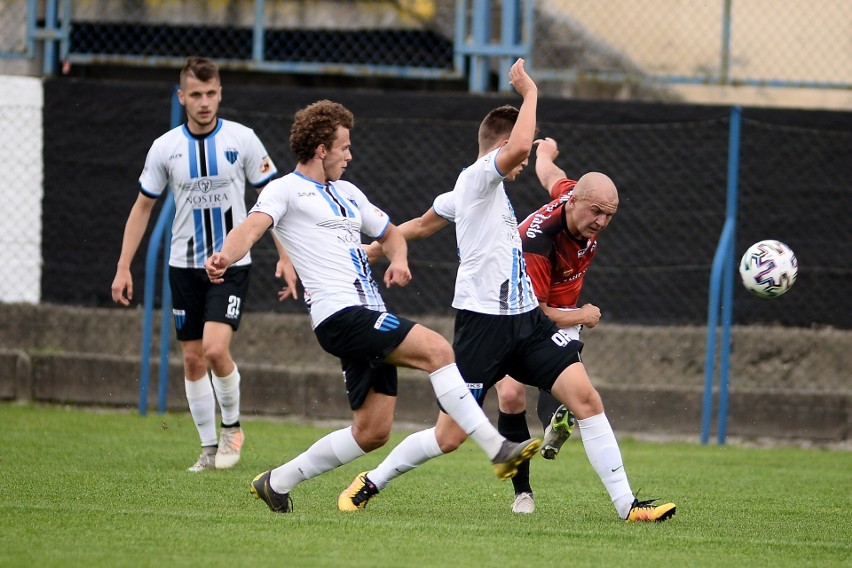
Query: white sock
{"type": "Point", "coordinates": [202, 407]}
{"type": "Point", "coordinates": [458, 402]}
{"type": "Point", "coordinates": [228, 394]}
{"type": "Point", "coordinates": [327, 453]}
{"type": "Point", "coordinates": [412, 452]}
{"type": "Point", "coordinates": [605, 456]}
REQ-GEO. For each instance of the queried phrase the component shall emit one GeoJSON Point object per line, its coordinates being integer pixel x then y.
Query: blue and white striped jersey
{"type": "Point", "coordinates": [320, 225]}
{"type": "Point", "coordinates": [492, 276]}
{"type": "Point", "coordinates": [207, 175]}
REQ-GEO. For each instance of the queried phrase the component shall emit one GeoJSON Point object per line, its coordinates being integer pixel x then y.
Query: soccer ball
{"type": "Point", "coordinates": [768, 268]}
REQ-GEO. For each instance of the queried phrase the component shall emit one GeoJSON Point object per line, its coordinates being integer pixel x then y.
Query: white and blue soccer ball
{"type": "Point", "coordinates": [768, 268]}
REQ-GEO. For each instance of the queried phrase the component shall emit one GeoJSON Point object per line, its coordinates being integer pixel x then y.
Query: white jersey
{"type": "Point", "coordinates": [492, 277]}
{"type": "Point", "coordinates": [320, 225]}
{"type": "Point", "coordinates": [207, 175]}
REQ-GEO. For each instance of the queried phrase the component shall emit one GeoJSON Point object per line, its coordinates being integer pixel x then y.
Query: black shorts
{"type": "Point", "coordinates": [362, 338]}
{"type": "Point", "coordinates": [528, 346]}
{"type": "Point", "coordinates": [196, 300]}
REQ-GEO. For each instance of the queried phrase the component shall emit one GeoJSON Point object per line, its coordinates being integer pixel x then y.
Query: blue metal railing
{"type": "Point", "coordinates": [161, 239]}
{"type": "Point", "coordinates": [472, 48]}
{"type": "Point", "coordinates": [721, 296]}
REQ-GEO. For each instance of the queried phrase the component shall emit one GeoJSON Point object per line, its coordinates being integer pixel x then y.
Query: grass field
{"type": "Point", "coordinates": [88, 488]}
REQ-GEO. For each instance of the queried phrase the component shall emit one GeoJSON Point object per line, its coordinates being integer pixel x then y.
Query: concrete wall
{"type": "Point", "coordinates": [651, 379]}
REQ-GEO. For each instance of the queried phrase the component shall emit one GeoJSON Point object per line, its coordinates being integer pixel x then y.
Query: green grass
{"type": "Point", "coordinates": [88, 488]}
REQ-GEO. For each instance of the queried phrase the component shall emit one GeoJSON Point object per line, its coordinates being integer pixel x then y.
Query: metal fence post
{"type": "Point", "coordinates": [160, 236]}
{"type": "Point", "coordinates": [721, 295]}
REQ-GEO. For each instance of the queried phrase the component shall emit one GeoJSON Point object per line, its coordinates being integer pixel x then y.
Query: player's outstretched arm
{"type": "Point", "coordinates": [545, 168]}
{"type": "Point", "coordinates": [134, 229]}
{"type": "Point", "coordinates": [412, 230]}
{"type": "Point", "coordinates": [237, 244]}
{"type": "Point", "coordinates": [424, 226]}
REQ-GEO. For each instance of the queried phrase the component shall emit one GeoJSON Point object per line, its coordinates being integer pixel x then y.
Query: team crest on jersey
{"type": "Point", "coordinates": [589, 247]}
{"type": "Point", "coordinates": [231, 155]}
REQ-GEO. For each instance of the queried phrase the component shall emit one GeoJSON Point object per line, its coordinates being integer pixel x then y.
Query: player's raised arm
{"type": "Point", "coordinates": [237, 244]}
{"type": "Point", "coordinates": [520, 142]}
{"type": "Point", "coordinates": [545, 168]}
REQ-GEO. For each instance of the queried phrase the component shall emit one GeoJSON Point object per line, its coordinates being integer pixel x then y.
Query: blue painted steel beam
{"type": "Point", "coordinates": [161, 237]}
{"type": "Point", "coordinates": [619, 77]}
{"type": "Point", "coordinates": [721, 295]}
{"type": "Point", "coordinates": [729, 270]}
{"type": "Point", "coordinates": [481, 25]}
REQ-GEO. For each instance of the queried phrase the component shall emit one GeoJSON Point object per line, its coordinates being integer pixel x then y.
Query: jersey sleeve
{"type": "Point", "coordinates": [562, 187]}
{"type": "Point", "coordinates": [273, 201]}
{"type": "Point", "coordinates": [538, 269]}
{"type": "Point", "coordinates": [374, 221]}
{"type": "Point", "coordinates": [445, 206]}
{"type": "Point", "coordinates": [258, 165]}
{"type": "Point", "coordinates": [481, 178]}
{"type": "Point", "coordinates": [154, 176]}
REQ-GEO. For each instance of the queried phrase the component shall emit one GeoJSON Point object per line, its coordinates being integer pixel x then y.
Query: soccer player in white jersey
{"type": "Point", "coordinates": [206, 162]}
{"type": "Point", "coordinates": [319, 218]}
{"type": "Point", "coordinates": [500, 329]}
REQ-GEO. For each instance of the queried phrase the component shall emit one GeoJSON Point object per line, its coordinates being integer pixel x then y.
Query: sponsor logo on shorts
{"type": "Point", "coordinates": [476, 389]}
{"type": "Point", "coordinates": [180, 318]}
{"type": "Point", "coordinates": [386, 322]}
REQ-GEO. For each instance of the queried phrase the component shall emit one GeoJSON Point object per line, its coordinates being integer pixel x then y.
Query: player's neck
{"type": "Point", "coordinates": [313, 170]}
{"type": "Point", "coordinates": [197, 129]}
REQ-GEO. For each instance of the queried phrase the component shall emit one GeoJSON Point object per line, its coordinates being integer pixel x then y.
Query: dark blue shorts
{"type": "Point", "coordinates": [362, 338]}
{"type": "Point", "coordinates": [528, 346]}
{"type": "Point", "coordinates": [196, 300]}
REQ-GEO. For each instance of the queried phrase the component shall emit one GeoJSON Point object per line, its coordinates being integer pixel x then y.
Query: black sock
{"type": "Point", "coordinates": [546, 407]}
{"type": "Point", "coordinates": [234, 425]}
{"type": "Point", "coordinates": [514, 427]}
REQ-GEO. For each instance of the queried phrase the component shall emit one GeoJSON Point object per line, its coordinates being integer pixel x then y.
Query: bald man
{"type": "Point", "coordinates": [559, 242]}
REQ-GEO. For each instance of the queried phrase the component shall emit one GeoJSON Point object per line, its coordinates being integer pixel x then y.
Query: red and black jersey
{"type": "Point", "coordinates": [556, 261]}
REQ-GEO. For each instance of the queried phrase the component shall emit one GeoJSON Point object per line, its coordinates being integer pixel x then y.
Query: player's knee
{"type": "Point", "coordinates": [438, 352]}
{"type": "Point", "coordinates": [513, 398]}
{"type": "Point", "coordinates": [216, 354]}
{"type": "Point", "coordinates": [450, 439]}
{"type": "Point", "coordinates": [194, 364]}
{"type": "Point", "coordinates": [369, 440]}
{"type": "Point", "coordinates": [589, 403]}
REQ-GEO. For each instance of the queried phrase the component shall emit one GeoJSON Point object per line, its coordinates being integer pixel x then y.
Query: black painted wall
{"type": "Point", "coordinates": [669, 162]}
